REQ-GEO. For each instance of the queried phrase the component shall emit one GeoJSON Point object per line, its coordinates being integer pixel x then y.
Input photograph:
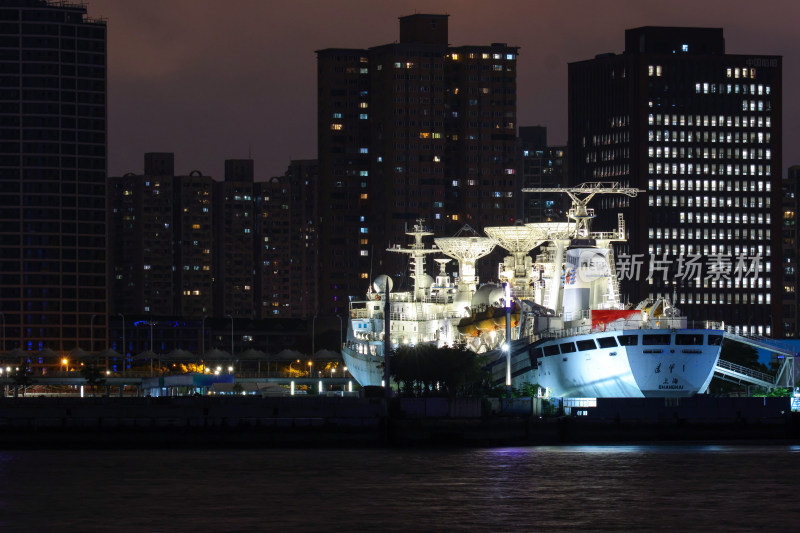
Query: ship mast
{"type": "Point", "coordinates": [417, 251]}
{"type": "Point", "coordinates": [581, 195]}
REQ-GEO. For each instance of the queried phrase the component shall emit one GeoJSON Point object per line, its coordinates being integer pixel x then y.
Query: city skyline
{"type": "Point", "coordinates": [211, 85]}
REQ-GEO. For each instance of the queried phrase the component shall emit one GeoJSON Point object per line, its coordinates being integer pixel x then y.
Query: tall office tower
{"type": "Point", "coordinates": [409, 130]}
{"type": "Point", "coordinates": [700, 131]}
{"type": "Point", "coordinates": [789, 266]}
{"type": "Point", "coordinates": [287, 254]}
{"type": "Point", "coordinates": [541, 166]}
{"type": "Point", "coordinates": [52, 176]}
{"type": "Point", "coordinates": [235, 240]}
{"type": "Point", "coordinates": [161, 241]}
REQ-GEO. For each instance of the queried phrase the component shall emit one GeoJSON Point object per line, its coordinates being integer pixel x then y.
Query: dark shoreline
{"type": "Point", "coordinates": [324, 422]}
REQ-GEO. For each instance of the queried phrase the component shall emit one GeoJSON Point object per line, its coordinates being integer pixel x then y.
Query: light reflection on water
{"type": "Point", "coordinates": [589, 488]}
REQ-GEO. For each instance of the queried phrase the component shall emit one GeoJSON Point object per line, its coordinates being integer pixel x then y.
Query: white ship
{"type": "Point", "coordinates": [555, 319]}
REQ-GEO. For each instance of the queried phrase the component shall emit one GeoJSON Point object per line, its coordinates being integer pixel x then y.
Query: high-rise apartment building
{"type": "Point", "coordinates": [409, 130]}
{"type": "Point", "coordinates": [287, 256]}
{"type": "Point", "coordinates": [52, 176]}
{"type": "Point", "coordinates": [235, 240]}
{"type": "Point", "coordinates": [161, 241]}
{"type": "Point", "coordinates": [190, 246]}
{"type": "Point", "coordinates": [700, 131]}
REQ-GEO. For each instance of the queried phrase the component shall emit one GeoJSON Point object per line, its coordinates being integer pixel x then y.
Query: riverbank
{"type": "Point", "coordinates": [328, 422]}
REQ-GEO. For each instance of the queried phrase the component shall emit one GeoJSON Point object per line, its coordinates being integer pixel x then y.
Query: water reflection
{"type": "Point", "coordinates": [594, 488]}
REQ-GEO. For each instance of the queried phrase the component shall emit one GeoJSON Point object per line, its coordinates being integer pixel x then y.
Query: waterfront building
{"type": "Point", "coordinates": [700, 131]}
{"type": "Point", "coordinates": [52, 176]}
{"type": "Point", "coordinates": [408, 130]}
{"type": "Point", "coordinates": [540, 166]}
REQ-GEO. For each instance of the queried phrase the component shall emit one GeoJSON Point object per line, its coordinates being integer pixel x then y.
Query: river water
{"type": "Point", "coordinates": [565, 488]}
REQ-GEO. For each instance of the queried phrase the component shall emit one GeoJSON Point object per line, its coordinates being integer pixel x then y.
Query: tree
{"type": "Point", "coordinates": [428, 370]}
{"type": "Point", "coordinates": [738, 354]}
{"type": "Point", "coordinates": [93, 376]}
{"type": "Point", "coordinates": [22, 378]}
{"type": "Point", "coordinates": [741, 354]}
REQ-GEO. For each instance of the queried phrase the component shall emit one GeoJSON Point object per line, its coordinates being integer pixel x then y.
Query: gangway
{"type": "Point", "coordinates": [738, 374]}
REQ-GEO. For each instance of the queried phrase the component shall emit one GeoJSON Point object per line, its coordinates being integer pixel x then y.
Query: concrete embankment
{"type": "Point", "coordinates": [237, 422]}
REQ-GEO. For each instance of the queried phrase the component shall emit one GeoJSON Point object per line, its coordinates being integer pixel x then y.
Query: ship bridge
{"type": "Point", "coordinates": [786, 376]}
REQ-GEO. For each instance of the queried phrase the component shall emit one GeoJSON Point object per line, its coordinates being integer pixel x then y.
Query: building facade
{"type": "Point", "coordinates": [234, 240]}
{"type": "Point", "coordinates": [541, 166]}
{"type": "Point", "coordinates": [699, 131]}
{"type": "Point", "coordinates": [52, 176]}
{"type": "Point", "coordinates": [193, 247]}
{"type": "Point", "coordinates": [161, 241]}
{"type": "Point", "coordinates": [287, 255]}
{"type": "Point", "coordinates": [790, 251]}
{"type": "Point", "coordinates": [412, 130]}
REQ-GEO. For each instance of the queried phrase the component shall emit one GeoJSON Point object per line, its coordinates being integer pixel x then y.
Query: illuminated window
{"type": "Point", "coordinates": [336, 127]}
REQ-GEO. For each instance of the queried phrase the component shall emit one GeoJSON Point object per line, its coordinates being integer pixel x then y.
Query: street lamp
{"type": "Point", "coordinates": [202, 340]}
{"type": "Point", "coordinates": [290, 366]}
{"type": "Point", "coordinates": [203, 335]}
{"type": "Point", "coordinates": [310, 364]}
{"type": "Point", "coordinates": [231, 317]}
{"type": "Point", "coordinates": [333, 369]}
{"type": "Point", "coordinates": [124, 357]}
{"type": "Point", "coordinates": [152, 352]}
{"type": "Point", "coordinates": [313, 334]}
{"type": "Point", "coordinates": [65, 362]}
{"type": "Point", "coordinates": [91, 332]}
{"type": "Point", "coordinates": [341, 340]}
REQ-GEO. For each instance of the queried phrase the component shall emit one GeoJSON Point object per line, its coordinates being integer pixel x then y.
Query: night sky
{"type": "Point", "coordinates": [215, 80]}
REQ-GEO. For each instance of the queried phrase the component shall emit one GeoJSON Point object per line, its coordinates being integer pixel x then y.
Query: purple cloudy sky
{"type": "Point", "coordinates": [217, 80]}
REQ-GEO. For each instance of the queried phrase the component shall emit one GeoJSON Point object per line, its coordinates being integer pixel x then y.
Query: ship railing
{"type": "Point", "coordinates": [436, 299]}
{"type": "Point", "coordinates": [409, 317]}
{"type": "Point", "coordinates": [359, 313]}
{"type": "Point", "coordinates": [746, 371]}
{"type": "Point", "coordinates": [662, 323]}
{"type": "Point", "coordinates": [577, 315]}
{"type": "Point", "coordinates": [763, 342]}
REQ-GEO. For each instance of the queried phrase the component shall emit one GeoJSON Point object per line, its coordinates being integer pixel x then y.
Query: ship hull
{"type": "Point", "coordinates": [366, 369]}
{"type": "Point", "coordinates": [661, 363]}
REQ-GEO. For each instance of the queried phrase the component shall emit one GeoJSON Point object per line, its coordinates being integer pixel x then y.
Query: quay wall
{"type": "Point", "coordinates": [318, 421]}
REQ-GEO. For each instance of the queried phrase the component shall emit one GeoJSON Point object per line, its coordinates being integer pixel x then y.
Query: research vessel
{"type": "Point", "coordinates": [554, 318]}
